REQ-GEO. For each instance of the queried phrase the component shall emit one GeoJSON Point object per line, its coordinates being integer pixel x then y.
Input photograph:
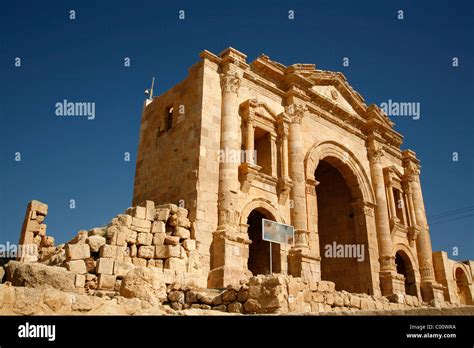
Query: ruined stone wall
{"type": "Point", "coordinates": [157, 237]}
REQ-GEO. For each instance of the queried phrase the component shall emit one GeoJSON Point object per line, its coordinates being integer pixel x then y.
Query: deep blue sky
{"type": "Point", "coordinates": [82, 60]}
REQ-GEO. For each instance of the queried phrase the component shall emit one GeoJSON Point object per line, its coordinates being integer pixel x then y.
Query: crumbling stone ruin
{"type": "Point", "coordinates": [145, 262]}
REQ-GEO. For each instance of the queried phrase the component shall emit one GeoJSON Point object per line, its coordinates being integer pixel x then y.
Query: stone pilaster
{"type": "Point", "coordinates": [284, 182]}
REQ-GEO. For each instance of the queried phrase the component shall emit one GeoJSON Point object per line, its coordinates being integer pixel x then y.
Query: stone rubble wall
{"type": "Point", "coordinates": [146, 235]}
{"type": "Point", "coordinates": [281, 294]}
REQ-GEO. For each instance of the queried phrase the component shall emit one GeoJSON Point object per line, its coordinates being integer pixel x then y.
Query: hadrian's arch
{"type": "Point", "coordinates": [258, 261]}
{"type": "Point", "coordinates": [342, 216]}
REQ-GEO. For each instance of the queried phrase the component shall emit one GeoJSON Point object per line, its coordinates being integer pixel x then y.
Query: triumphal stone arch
{"type": "Point", "coordinates": [238, 142]}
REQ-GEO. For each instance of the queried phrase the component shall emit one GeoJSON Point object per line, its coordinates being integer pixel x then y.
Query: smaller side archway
{"type": "Point", "coordinates": [259, 257]}
{"type": "Point", "coordinates": [406, 266]}
{"type": "Point", "coordinates": [462, 285]}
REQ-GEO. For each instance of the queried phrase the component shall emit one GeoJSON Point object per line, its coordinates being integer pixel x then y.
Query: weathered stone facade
{"type": "Point", "coordinates": [236, 142]}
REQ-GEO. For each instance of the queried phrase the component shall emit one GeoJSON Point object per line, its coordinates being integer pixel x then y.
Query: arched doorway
{"type": "Point", "coordinates": [462, 286]}
{"type": "Point", "coordinates": [404, 267]}
{"type": "Point", "coordinates": [344, 254]}
{"type": "Point", "coordinates": [259, 249]}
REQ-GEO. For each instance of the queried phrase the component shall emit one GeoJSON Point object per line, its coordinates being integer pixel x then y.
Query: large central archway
{"type": "Point", "coordinates": [343, 217]}
{"type": "Point", "coordinates": [341, 251]}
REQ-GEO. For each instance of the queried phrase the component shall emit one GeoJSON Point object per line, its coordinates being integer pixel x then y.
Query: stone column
{"type": "Point", "coordinates": [229, 247]}
{"type": "Point", "coordinates": [301, 262]}
{"type": "Point", "coordinates": [430, 289]}
{"type": "Point", "coordinates": [384, 239]}
{"type": "Point", "coordinates": [298, 191]}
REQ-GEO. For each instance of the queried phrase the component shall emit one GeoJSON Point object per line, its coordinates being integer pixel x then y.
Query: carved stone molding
{"type": "Point", "coordinates": [247, 173]}
{"type": "Point", "coordinates": [284, 186]}
{"type": "Point", "coordinates": [412, 235]}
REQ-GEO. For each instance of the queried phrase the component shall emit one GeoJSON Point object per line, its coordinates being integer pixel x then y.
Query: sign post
{"type": "Point", "coordinates": [274, 232]}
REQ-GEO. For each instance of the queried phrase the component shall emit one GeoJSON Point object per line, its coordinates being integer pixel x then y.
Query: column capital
{"type": "Point", "coordinates": [296, 112]}
{"type": "Point", "coordinates": [375, 153]}
{"type": "Point", "coordinates": [231, 82]}
{"type": "Point", "coordinates": [412, 173]}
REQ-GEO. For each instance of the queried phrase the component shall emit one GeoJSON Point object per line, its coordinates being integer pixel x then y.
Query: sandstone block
{"type": "Point", "coordinates": [159, 239]}
{"type": "Point", "coordinates": [235, 307]}
{"type": "Point", "coordinates": [39, 207]}
{"type": "Point", "coordinates": [330, 299]}
{"type": "Point", "coordinates": [131, 237]}
{"type": "Point", "coordinates": [42, 230]}
{"type": "Point", "coordinates": [37, 275]}
{"type": "Point", "coordinates": [355, 301]}
{"type": "Point", "coordinates": [146, 251]}
{"type": "Point", "coordinates": [98, 231]}
{"type": "Point", "coordinates": [171, 240]}
{"type": "Point", "coordinates": [139, 262]}
{"type": "Point", "coordinates": [122, 268]}
{"type": "Point", "coordinates": [158, 227]}
{"type": "Point", "coordinates": [141, 225]}
{"type": "Point", "coordinates": [176, 264]}
{"type": "Point", "coordinates": [189, 244]}
{"type": "Point", "coordinates": [176, 296]}
{"type": "Point", "coordinates": [173, 208]}
{"type": "Point", "coordinates": [76, 266]}
{"type": "Point", "coordinates": [80, 281]}
{"type": "Point", "coordinates": [77, 251]}
{"type": "Point", "coordinates": [95, 242]}
{"type": "Point", "coordinates": [162, 214]}
{"type": "Point", "coordinates": [155, 263]}
{"type": "Point", "coordinates": [125, 220]}
{"type": "Point", "coordinates": [169, 276]}
{"type": "Point", "coordinates": [184, 222]}
{"type": "Point", "coordinates": [132, 250]}
{"type": "Point", "coordinates": [33, 226]}
{"type": "Point", "coordinates": [144, 238]}
{"type": "Point", "coordinates": [150, 209]}
{"type": "Point", "coordinates": [364, 304]}
{"type": "Point", "coordinates": [106, 282]}
{"type": "Point", "coordinates": [105, 266]}
{"type": "Point", "coordinates": [182, 212]}
{"type": "Point", "coordinates": [182, 233]}
{"type": "Point", "coordinates": [80, 237]}
{"type": "Point", "coordinates": [138, 212]}
{"type": "Point", "coordinates": [146, 284]}
{"type": "Point", "coordinates": [338, 301]}
{"type": "Point", "coordinates": [252, 306]}
{"type": "Point", "coordinates": [318, 297]}
{"type": "Point", "coordinates": [108, 251]}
